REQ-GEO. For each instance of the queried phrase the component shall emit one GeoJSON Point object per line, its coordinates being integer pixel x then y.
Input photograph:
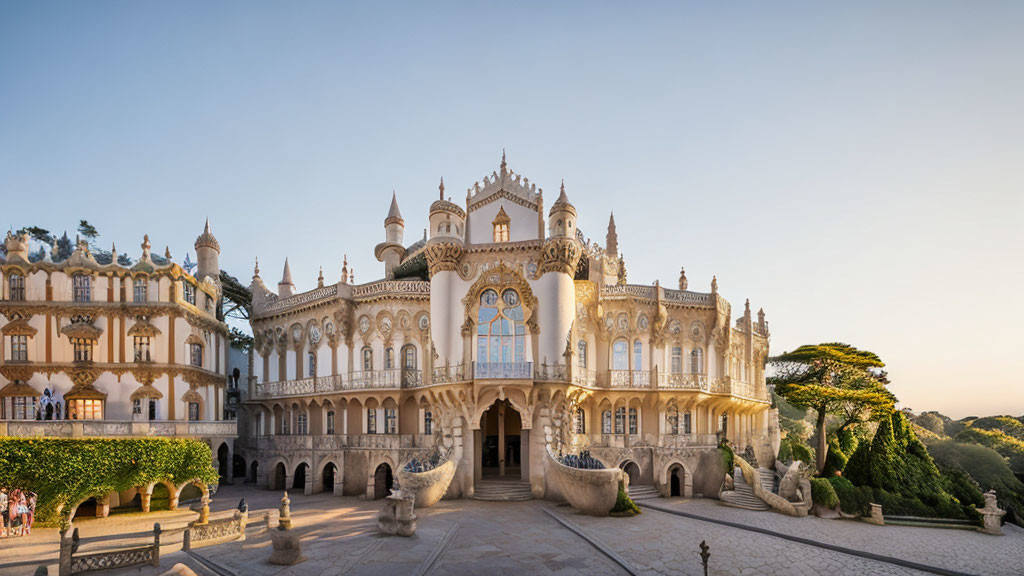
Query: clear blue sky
{"type": "Point", "coordinates": [857, 169]}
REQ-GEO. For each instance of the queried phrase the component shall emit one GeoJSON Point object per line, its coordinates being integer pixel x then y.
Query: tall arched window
{"type": "Point", "coordinates": [367, 359]}
{"type": "Point", "coordinates": [582, 360]}
{"type": "Point", "coordinates": [696, 361]}
{"type": "Point", "coordinates": [501, 334]}
{"type": "Point", "coordinates": [17, 285]}
{"type": "Point", "coordinates": [620, 420]}
{"type": "Point", "coordinates": [677, 360]}
{"type": "Point", "coordinates": [606, 422]}
{"type": "Point", "coordinates": [620, 360]}
{"type": "Point", "coordinates": [140, 289]}
{"type": "Point", "coordinates": [409, 357]}
{"type": "Point", "coordinates": [302, 424]}
{"type": "Point", "coordinates": [330, 422]}
{"type": "Point", "coordinates": [638, 355]}
{"type": "Point", "coordinates": [389, 358]}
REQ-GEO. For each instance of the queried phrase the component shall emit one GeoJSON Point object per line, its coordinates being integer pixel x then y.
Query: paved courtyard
{"type": "Point", "coordinates": [472, 537]}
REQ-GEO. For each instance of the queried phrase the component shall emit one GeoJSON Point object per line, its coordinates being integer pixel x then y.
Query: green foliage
{"type": "Point", "coordinates": [800, 430]}
{"type": "Point", "coordinates": [785, 450]}
{"type": "Point", "coordinates": [852, 500]}
{"type": "Point", "coordinates": [803, 453]}
{"type": "Point", "coordinates": [823, 493]}
{"type": "Point", "coordinates": [959, 484]}
{"type": "Point", "coordinates": [787, 410]}
{"type": "Point", "coordinates": [64, 472]}
{"type": "Point", "coordinates": [1010, 447]}
{"type": "Point", "coordinates": [933, 422]}
{"type": "Point", "coordinates": [835, 460]}
{"type": "Point", "coordinates": [1005, 424]}
{"type": "Point", "coordinates": [898, 467]}
{"type": "Point", "coordinates": [727, 458]}
{"type": "Point", "coordinates": [624, 507]}
{"type": "Point", "coordinates": [88, 230]}
{"type": "Point", "coordinates": [988, 469]}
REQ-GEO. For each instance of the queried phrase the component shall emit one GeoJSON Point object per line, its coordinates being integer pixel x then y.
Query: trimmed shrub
{"type": "Point", "coordinates": [64, 472]}
{"type": "Point", "coordinates": [785, 450]}
{"type": "Point", "coordinates": [803, 453]}
{"type": "Point", "coordinates": [823, 493]}
{"type": "Point", "coordinates": [851, 499]}
{"type": "Point", "coordinates": [624, 507]}
{"type": "Point", "coordinates": [835, 460]}
{"type": "Point", "coordinates": [728, 461]}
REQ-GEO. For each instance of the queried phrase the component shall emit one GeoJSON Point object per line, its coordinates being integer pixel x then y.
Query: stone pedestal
{"type": "Point", "coordinates": [991, 515]}
{"type": "Point", "coordinates": [287, 548]}
{"type": "Point", "coordinates": [284, 518]}
{"type": "Point", "coordinates": [876, 515]}
{"type": "Point", "coordinates": [397, 517]}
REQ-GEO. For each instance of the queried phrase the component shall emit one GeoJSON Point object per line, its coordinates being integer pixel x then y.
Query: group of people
{"type": "Point", "coordinates": [17, 512]}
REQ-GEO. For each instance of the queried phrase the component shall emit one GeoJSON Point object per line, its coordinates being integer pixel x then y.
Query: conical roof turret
{"type": "Point", "coordinates": [394, 214]}
{"type": "Point", "coordinates": [206, 239]}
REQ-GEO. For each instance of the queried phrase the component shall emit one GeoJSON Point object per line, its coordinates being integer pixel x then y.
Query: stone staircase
{"type": "Point", "coordinates": [743, 495]}
{"type": "Point", "coordinates": [643, 492]}
{"type": "Point", "coordinates": [502, 490]}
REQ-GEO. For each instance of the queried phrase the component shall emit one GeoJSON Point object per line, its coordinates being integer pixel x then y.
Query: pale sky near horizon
{"type": "Point", "coordinates": [857, 169]}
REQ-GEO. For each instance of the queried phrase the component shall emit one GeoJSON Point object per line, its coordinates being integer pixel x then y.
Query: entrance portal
{"type": "Point", "coordinates": [501, 430]}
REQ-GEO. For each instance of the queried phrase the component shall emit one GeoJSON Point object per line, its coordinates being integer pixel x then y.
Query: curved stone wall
{"type": "Point", "coordinates": [592, 492]}
{"type": "Point", "coordinates": [429, 486]}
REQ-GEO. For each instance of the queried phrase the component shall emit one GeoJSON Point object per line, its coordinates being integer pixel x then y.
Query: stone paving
{"type": "Point", "coordinates": [474, 537]}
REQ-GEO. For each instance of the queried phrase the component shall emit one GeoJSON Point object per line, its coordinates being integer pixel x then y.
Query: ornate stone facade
{"type": "Point", "coordinates": [500, 335]}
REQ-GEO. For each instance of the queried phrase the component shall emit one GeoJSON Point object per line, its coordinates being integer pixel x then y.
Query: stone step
{"type": "Point", "coordinates": [643, 492]}
{"type": "Point", "coordinates": [502, 491]}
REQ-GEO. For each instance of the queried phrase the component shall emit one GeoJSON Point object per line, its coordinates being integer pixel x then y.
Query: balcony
{"type": "Point", "coordinates": [627, 379]}
{"type": "Point", "coordinates": [117, 428]}
{"type": "Point", "coordinates": [679, 381]}
{"type": "Point", "coordinates": [375, 380]}
{"type": "Point", "coordinates": [503, 370]}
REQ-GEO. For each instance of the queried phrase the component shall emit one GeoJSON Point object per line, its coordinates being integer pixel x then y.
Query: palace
{"type": "Point", "coordinates": [502, 335]}
{"type": "Point", "coordinates": [97, 346]}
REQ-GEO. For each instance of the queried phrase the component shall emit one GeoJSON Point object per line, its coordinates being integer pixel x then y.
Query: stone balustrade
{"type": "Point", "coordinates": [106, 428]}
{"type": "Point", "coordinates": [335, 442]}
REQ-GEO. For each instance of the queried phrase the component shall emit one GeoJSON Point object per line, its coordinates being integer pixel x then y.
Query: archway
{"type": "Point", "coordinates": [632, 470]}
{"type": "Point", "coordinates": [280, 477]}
{"type": "Point", "coordinates": [238, 467]}
{"type": "Point", "coordinates": [254, 472]}
{"type": "Point", "coordinates": [161, 497]}
{"type": "Point", "coordinates": [501, 429]}
{"type": "Point", "coordinates": [86, 509]}
{"type": "Point", "coordinates": [299, 481]}
{"type": "Point", "coordinates": [330, 471]}
{"type": "Point", "coordinates": [223, 458]}
{"type": "Point", "coordinates": [382, 481]}
{"type": "Point", "coordinates": [676, 479]}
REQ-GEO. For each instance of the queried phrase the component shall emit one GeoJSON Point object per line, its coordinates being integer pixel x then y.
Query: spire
{"type": "Point", "coordinates": [206, 239]}
{"type": "Point", "coordinates": [256, 269]}
{"type": "Point", "coordinates": [286, 287]}
{"type": "Point", "coordinates": [441, 188]}
{"type": "Point", "coordinates": [394, 215]}
{"type": "Point", "coordinates": [286, 277]}
{"type": "Point", "coordinates": [562, 198]}
{"type": "Point", "coordinates": [113, 253]}
{"type": "Point", "coordinates": [344, 270]}
{"type": "Point", "coordinates": [206, 229]}
{"type": "Point", "coordinates": [504, 165]}
{"type": "Point", "coordinates": [611, 240]}
{"type": "Point", "coordinates": [746, 308]}
{"type": "Point", "coordinates": [167, 252]}
{"type": "Point", "coordinates": [320, 279]}
{"type": "Point", "coordinates": [760, 317]}
{"type": "Point", "coordinates": [682, 279]}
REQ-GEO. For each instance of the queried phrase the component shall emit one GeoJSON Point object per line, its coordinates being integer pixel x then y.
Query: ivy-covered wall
{"type": "Point", "coordinates": [63, 472]}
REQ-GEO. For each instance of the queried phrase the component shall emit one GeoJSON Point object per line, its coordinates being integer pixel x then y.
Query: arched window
{"type": "Point", "coordinates": [82, 287]}
{"type": "Point", "coordinates": [581, 421]}
{"type": "Point", "coordinates": [633, 424]}
{"type": "Point", "coordinates": [501, 222]}
{"type": "Point", "coordinates": [189, 292]}
{"type": "Point", "coordinates": [620, 360]}
{"type": "Point", "coordinates": [409, 357]}
{"type": "Point", "coordinates": [140, 289]}
{"type": "Point", "coordinates": [606, 422]}
{"type": "Point", "coordinates": [389, 358]}
{"type": "Point", "coordinates": [367, 359]}
{"type": "Point", "coordinates": [673, 420]}
{"type": "Point", "coordinates": [371, 421]}
{"type": "Point", "coordinates": [311, 358]}
{"type": "Point", "coordinates": [501, 334]}
{"type": "Point", "coordinates": [196, 355]}
{"type": "Point", "coordinates": [677, 360]}
{"type": "Point", "coordinates": [696, 361]}
{"type": "Point", "coordinates": [17, 285]}
{"type": "Point", "coordinates": [193, 411]}
{"type": "Point", "coordinates": [302, 424]}
{"type": "Point", "coordinates": [638, 355]}
{"type": "Point", "coordinates": [390, 421]}
{"type": "Point", "coordinates": [142, 349]}
{"type": "Point", "coordinates": [620, 420]}
{"type": "Point", "coordinates": [330, 421]}
{"type": "Point", "coordinates": [428, 422]}
{"type": "Point", "coordinates": [582, 351]}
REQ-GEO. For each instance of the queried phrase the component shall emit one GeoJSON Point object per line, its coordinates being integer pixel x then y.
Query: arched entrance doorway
{"type": "Point", "coordinates": [238, 467]}
{"type": "Point", "coordinates": [676, 480]}
{"type": "Point", "coordinates": [280, 476]}
{"type": "Point", "coordinates": [501, 446]}
{"type": "Point", "coordinates": [328, 477]}
{"type": "Point", "coordinates": [254, 472]}
{"type": "Point", "coordinates": [633, 471]}
{"type": "Point", "coordinates": [299, 482]}
{"type": "Point", "coordinates": [223, 461]}
{"type": "Point", "coordinates": [382, 481]}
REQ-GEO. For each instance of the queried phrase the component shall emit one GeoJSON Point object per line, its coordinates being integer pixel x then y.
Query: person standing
{"type": "Point", "coordinates": [12, 510]}
{"type": "Point", "coordinates": [3, 513]}
{"type": "Point", "coordinates": [32, 498]}
{"type": "Point", "coordinates": [22, 512]}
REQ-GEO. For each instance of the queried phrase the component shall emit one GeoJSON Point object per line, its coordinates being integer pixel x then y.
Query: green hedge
{"type": "Point", "coordinates": [624, 506]}
{"type": "Point", "coordinates": [823, 493]}
{"type": "Point", "coordinates": [727, 458]}
{"type": "Point", "coordinates": [802, 453]}
{"type": "Point", "coordinates": [64, 472]}
{"type": "Point", "coordinates": [852, 500]}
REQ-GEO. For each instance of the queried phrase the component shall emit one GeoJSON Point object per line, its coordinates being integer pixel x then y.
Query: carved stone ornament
{"type": "Point", "coordinates": [643, 322]}
{"type": "Point", "coordinates": [364, 324]}
{"type": "Point", "coordinates": [443, 256]}
{"type": "Point", "coordinates": [561, 255]}
{"type": "Point", "coordinates": [424, 322]}
{"type": "Point", "coordinates": [674, 327]}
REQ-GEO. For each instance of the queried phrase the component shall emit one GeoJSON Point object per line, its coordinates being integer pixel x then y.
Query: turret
{"type": "Point", "coordinates": [562, 217]}
{"type": "Point", "coordinates": [447, 219]}
{"type": "Point", "coordinates": [390, 251]}
{"type": "Point", "coordinates": [208, 256]}
{"type": "Point", "coordinates": [286, 287]}
{"type": "Point", "coordinates": [611, 240]}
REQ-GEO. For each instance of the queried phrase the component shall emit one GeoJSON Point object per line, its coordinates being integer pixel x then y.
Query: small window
{"type": "Point", "coordinates": [633, 424]}
{"type": "Point", "coordinates": [687, 424]}
{"type": "Point", "coordinates": [581, 362]}
{"type": "Point", "coordinates": [620, 360]}
{"type": "Point", "coordinates": [620, 420]}
{"type": "Point", "coordinates": [581, 421]}
{"type": "Point", "coordinates": [367, 359]}
{"type": "Point", "coordinates": [371, 421]}
{"type": "Point", "coordinates": [330, 422]}
{"type": "Point", "coordinates": [389, 358]}
{"type": "Point", "coordinates": [140, 290]}
{"type": "Point", "coordinates": [83, 351]}
{"type": "Point", "coordinates": [390, 421]}
{"type": "Point", "coordinates": [196, 354]}
{"type": "Point", "coordinates": [142, 349]}
{"type": "Point", "coordinates": [86, 409]}
{"type": "Point", "coordinates": [428, 422]}
{"type": "Point", "coordinates": [190, 293]}
{"type": "Point", "coordinates": [82, 288]}
{"type": "Point", "coordinates": [19, 348]}
{"type": "Point", "coordinates": [638, 355]}
{"type": "Point", "coordinates": [501, 223]}
{"type": "Point", "coordinates": [409, 357]}
{"type": "Point", "coordinates": [696, 361]}
{"type": "Point", "coordinates": [673, 421]}
{"type": "Point", "coordinates": [606, 422]}
{"type": "Point", "coordinates": [677, 360]}
{"type": "Point", "coordinates": [193, 411]}
{"type": "Point", "coordinates": [311, 358]}
{"type": "Point", "coordinates": [302, 424]}
{"type": "Point", "coordinates": [21, 407]}
{"type": "Point", "coordinates": [17, 285]}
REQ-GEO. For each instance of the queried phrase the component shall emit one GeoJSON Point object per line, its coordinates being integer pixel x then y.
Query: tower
{"type": "Point", "coordinates": [560, 256]}
{"type": "Point", "coordinates": [611, 240]}
{"type": "Point", "coordinates": [447, 219]}
{"type": "Point", "coordinates": [208, 256]}
{"type": "Point", "coordinates": [286, 287]}
{"type": "Point", "coordinates": [562, 217]}
{"type": "Point", "coordinates": [390, 251]}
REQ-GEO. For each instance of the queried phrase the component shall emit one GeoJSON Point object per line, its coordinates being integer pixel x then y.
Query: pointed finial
{"type": "Point", "coordinates": [714, 284]}
{"type": "Point", "coordinates": [441, 188]}
{"type": "Point", "coordinates": [683, 283]}
{"type": "Point", "coordinates": [344, 270]}
{"type": "Point", "coordinates": [256, 268]}
{"type": "Point", "coordinates": [113, 248]}
{"type": "Point", "coordinates": [206, 230]}
{"type": "Point", "coordinates": [167, 252]}
{"type": "Point", "coordinates": [746, 308]}
{"type": "Point", "coordinates": [563, 186]}
{"type": "Point", "coordinates": [504, 165]}
{"type": "Point", "coordinates": [320, 279]}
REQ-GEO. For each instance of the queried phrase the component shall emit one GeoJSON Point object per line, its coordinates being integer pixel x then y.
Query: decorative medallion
{"type": "Point", "coordinates": [675, 327]}
{"type": "Point", "coordinates": [623, 322]}
{"type": "Point", "coordinates": [314, 335]}
{"type": "Point", "coordinates": [364, 324]}
{"type": "Point", "coordinates": [697, 330]}
{"type": "Point", "coordinates": [329, 327]}
{"type": "Point", "coordinates": [609, 322]}
{"type": "Point", "coordinates": [385, 325]}
{"type": "Point", "coordinates": [424, 322]}
{"type": "Point", "coordinates": [643, 322]}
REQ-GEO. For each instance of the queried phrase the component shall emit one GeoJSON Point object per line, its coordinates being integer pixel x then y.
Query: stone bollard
{"type": "Point", "coordinates": [64, 566]}
{"type": "Point", "coordinates": [284, 518]}
{"type": "Point", "coordinates": [876, 516]}
{"type": "Point", "coordinates": [204, 512]}
{"type": "Point", "coordinates": [156, 544]}
{"type": "Point", "coordinates": [397, 515]}
{"type": "Point", "coordinates": [287, 546]}
{"type": "Point", "coordinates": [991, 515]}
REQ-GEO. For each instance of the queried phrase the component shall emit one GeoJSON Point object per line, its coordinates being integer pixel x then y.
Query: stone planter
{"type": "Point", "coordinates": [592, 492]}
{"type": "Point", "coordinates": [428, 487]}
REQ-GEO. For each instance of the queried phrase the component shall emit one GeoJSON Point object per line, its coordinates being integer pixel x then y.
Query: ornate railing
{"type": "Point", "coordinates": [385, 287]}
{"type": "Point", "coordinates": [412, 378]}
{"type": "Point", "coordinates": [627, 379]}
{"type": "Point", "coordinates": [375, 379]}
{"type": "Point", "coordinates": [683, 381]}
{"type": "Point", "coordinates": [507, 370]}
{"type": "Point", "coordinates": [584, 377]}
{"type": "Point", "coordinates": [298, 299]}
{"type": "Point", "coordinates": [550, 372]}
{"type": "Point", "coordinates": [448, 374]}
{"type": "Point", "coordinates": [687, 440]}
{"type": "Point", "coordinates": [103, 428]}
{"type": "Point", "coordinates": [73, 563]}
{"type": "Point", "coordinates": [215, 531]}
{"type": "Point", "coordinates": [687, 297]}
